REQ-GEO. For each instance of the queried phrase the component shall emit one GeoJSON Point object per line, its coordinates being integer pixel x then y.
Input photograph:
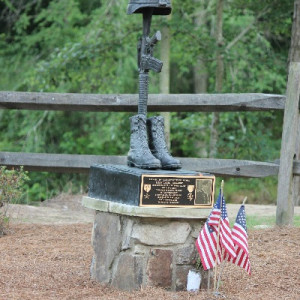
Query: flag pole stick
{"type": "Point", "coordinates": [218, 240]}
{"type": "Point", "coordinates": [222, 266]}
{"type": "Point", "coordinates": [221, 271]}
{"type": "Point", "coordinates": [208, 281]}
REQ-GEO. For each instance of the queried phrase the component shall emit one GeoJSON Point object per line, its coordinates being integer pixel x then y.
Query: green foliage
{"type": "Point", "coordinates": [255, 222]}
{"type": "Point", "coordinates": [198, 264]}
{"type": "Point", "coordinates": [12, 189]}
{"type": "Point", "coordinates": [89, 46]}
{"type": "Point", "coordinates": [11, 182]}
{"type": "Point", "coordinates": [257, 190]}
{"type": "Point", "coordinates": [47, 185]}
{"type": "Point", "coordinates": [239, 138]}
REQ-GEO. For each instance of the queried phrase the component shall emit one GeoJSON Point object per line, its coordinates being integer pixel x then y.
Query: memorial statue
{"type": "Point", "coordinates": [148, 149]}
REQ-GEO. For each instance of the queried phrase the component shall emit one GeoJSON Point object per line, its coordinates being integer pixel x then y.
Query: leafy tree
{"type": "Point", "coordinates": [90, 47]}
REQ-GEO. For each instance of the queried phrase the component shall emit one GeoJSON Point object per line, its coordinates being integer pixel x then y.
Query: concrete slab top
{"type": "Point", "coordinates": [147, 212]}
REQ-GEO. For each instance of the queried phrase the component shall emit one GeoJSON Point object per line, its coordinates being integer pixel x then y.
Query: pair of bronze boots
{"type": "Point", "coordinates": [148, 149]}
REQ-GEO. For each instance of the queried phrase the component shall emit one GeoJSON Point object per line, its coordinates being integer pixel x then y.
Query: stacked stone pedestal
{"type": "Point", "coordinates": [134, 248]}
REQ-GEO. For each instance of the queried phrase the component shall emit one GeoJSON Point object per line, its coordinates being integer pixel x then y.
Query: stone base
{"type": "Point", "coordinates": [134, 251]}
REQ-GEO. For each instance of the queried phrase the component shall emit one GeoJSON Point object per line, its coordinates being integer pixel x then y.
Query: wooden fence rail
{"type": "Point", "coordinates": [74, 163]}
{"type": "Point", "coordinates": [128, 102]}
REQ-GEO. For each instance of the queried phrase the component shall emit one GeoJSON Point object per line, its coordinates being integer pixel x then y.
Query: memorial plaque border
{"type": "Point", "coordinates": [200, 176]}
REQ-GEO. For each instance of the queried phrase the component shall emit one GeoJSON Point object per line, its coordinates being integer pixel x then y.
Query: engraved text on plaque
{"type": "Point", "coordinates": [177, 191]}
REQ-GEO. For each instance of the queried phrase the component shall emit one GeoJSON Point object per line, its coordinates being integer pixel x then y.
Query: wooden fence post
{"type": "Point", "coordinates": [285, 205]}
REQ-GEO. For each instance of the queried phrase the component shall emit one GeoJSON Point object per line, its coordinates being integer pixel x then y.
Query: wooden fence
{"type": "Point", "coordinates": [286, 168]}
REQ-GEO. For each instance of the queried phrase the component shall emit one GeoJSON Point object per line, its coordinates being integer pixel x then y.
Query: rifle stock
{"type": "Point", "coordinates": [151, 63]}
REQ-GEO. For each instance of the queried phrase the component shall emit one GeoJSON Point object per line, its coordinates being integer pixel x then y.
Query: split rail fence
{"type": "Point", "coordinates": [287, 168]}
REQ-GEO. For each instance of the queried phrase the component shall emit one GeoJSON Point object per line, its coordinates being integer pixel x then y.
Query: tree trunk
{"type": "Point", "coordinates": [294, 53]}
{"type": "Point", "coordinates": [164, 84]}
{"type": "Point", "coordinates": [200, 76]}
{"type": "Point", "coordinates": [294, 56]}
{"type": "Point", "coordinates": [200, 68]}
{"type": "Point", "coordinates": [286, 184]}
{"type": "Point", "coordinates": [219, 77]}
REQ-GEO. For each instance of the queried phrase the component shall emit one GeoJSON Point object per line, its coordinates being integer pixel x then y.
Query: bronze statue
{"type": "Point", "coordinates": [148, 149]}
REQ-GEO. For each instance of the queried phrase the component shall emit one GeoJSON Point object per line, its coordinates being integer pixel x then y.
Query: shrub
{"type": "Point", "coordinates": [11, 190]}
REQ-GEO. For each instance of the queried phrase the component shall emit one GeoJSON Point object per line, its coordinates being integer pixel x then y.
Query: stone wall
{"type": "Point", "coordinates": [131, 251]}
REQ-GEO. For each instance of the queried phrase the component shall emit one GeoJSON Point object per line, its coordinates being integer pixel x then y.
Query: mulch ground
{"type": "Point", "coordinates": [53, 261]}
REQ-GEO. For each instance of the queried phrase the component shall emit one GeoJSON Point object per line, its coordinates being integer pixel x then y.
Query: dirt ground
{"type": "Point", "coordinates": [50, 259]}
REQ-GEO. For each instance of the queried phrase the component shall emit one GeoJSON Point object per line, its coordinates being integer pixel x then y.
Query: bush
{"type": "Point", "coordinates": [11, 190]}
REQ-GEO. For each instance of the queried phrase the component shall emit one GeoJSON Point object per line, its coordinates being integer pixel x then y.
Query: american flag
{"type": "Point", "coordinates": [206, 242]}
{"type": "Point", "coordinates": [240, 238]}
{"type": "Point", "coordinates": [226, 237]}
{"type": "Point", "coordinates": [206, 245]}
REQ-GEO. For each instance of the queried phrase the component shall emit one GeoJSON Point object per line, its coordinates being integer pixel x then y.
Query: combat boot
{"type": "Point", "coordinates": [139, 154]}
{"type": "Point", "coordinates": [157, 144]}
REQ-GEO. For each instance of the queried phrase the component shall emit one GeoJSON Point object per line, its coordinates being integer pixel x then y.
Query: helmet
{"type": "Point", "coordinates": [161, 7]}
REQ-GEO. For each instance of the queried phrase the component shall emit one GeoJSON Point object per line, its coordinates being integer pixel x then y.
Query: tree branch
{"type": "Point", "coordinates": [246, 30]}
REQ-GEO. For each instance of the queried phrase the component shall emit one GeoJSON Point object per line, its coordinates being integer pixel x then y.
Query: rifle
{"type": "Point", "coordinates": [146, 61]}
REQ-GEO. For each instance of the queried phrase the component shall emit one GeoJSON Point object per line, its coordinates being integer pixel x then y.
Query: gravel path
{"type": "Point", "coordinates": [67, 209]}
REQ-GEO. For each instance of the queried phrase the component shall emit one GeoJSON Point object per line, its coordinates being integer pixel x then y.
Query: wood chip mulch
{"type": "Point", "coordinates": [53, 261]}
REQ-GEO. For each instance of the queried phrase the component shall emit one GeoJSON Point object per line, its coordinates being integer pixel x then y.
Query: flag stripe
{"type": "Point", "coordinates": [240, 239]}
{"type": "Point", "coordinates": [240, 234]}
{"type": "Point", "coordinates": [208, 248]}
{"type": "Point", "coordinates": [226, 234]}
{"type": "Point", "coordinates": [202, 256]}
{"type": "Point", "coordinates": [214, 218]}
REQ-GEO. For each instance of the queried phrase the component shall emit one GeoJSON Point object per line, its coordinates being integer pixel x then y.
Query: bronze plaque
{"type": "Point", "coordinates": [177, 191]}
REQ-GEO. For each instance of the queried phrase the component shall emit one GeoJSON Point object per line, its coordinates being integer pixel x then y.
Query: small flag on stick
{"type": "Point", "coordinates": [240, 239]}
{"type": "Point", "coordinates": [207, 240]}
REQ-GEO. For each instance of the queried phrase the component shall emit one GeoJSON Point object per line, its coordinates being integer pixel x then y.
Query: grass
{"type": "Point", "coordinates": [257, 190]}
{"type": "Point", "coordinates": [253, 221]}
